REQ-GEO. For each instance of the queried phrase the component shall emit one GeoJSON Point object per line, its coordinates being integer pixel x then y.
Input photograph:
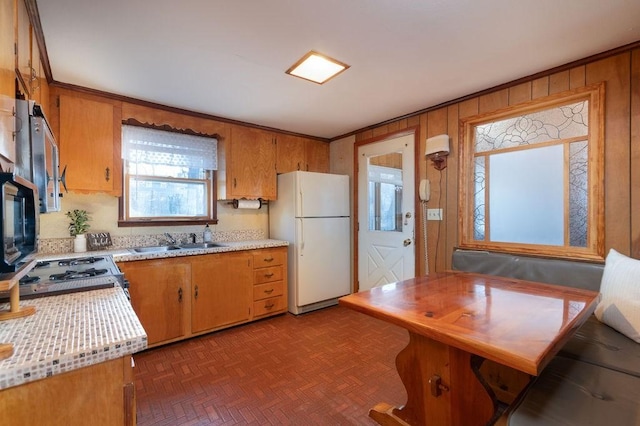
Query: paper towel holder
{"type": "Point", "coordinates": [236, 203]}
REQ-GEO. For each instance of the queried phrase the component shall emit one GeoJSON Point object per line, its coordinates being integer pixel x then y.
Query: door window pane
{"type": "Point", "coordinates": [385, 198]}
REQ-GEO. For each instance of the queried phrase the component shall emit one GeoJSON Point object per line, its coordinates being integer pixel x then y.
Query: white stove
{"type": "Point", "coordinates": [52, 277]}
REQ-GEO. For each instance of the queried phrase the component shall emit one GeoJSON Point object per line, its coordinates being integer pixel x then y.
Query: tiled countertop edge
{"type": "Point", "coordinates": [31, 362]}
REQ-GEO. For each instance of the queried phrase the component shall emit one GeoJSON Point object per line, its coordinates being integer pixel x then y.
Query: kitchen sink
{"type": "Point", "coordinates": [194, 246]}
{"type": "Point", "coordinates": [155, 249]}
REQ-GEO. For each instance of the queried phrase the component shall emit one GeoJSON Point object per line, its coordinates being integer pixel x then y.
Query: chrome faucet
{"type": "Point", "coordinates": [170, 238]}
{"type": "Point", "coordinates": [192, 236]}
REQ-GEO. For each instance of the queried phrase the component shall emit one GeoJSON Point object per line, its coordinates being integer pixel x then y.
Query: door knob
{"type": "Point", "coordinates": [407, 242]}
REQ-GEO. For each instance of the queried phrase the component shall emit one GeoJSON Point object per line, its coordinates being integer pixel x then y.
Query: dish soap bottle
{"type": "Point", "coordinates": [207, 237]}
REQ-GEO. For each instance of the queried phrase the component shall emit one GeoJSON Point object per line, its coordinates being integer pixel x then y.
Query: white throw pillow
{"type": "Point", "coordinates": [619, 306]}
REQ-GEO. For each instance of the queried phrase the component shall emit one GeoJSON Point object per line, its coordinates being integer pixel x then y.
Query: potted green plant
{"type": "Point", "coordinates": [77, 227]}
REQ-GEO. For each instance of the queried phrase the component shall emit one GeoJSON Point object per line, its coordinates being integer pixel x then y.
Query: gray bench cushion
{"type": "Point", "coordinates": [552, 271]}
{"type": "Point", "coordinates": [599, 344]}
{"type": "Point", "coordinates": [571, 392]}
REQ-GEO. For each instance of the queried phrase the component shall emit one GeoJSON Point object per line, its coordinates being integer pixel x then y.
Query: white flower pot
{"type": "Point", "coordinates": [80, 243]}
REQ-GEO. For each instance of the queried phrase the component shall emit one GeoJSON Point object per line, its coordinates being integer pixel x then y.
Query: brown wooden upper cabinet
{"type": "Point", "coordinates": [250, 159]}
{"type": "Point", "coordinates": [23, 46]}
{"type": "Point", "coordinates": [7, 85]}
{"type": "Point", "coordinates": [297, 153]}
{"type": "Point", "coordinates": [290, 154]}
{"type": "Point", "coordinates": [89, 142]}
{"type": "Point", "coordinates": [316, 155]}
{"type": "Point", "coordinates": [7, 55]}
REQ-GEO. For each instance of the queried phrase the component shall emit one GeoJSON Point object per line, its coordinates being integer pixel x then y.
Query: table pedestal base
{"type": "Point", "coordinates": [443, 388]}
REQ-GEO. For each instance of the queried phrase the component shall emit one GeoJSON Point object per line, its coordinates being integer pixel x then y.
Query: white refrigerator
{"type": "Point", "coordinates": [312, 214]}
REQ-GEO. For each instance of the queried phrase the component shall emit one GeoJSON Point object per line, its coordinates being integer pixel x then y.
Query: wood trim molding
{"type": "Point", "coordinates": [168, 128]}
{"type": "Point", "coordinates": [598, 56]}
{"type": "Point", "coordinates": [121, 98]}
{"type": "Point", "coordinates": [34, 18]}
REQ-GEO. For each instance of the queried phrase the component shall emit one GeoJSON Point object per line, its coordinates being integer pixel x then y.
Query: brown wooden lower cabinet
{"type": "Point", "coordinates": [160, 290]}
{"type": "Point", "coordinates": [179, 297]}
{"type": "Point", "coordinates": [270, 282]}
{"type": "Point", "coordinates": [98, 395]}
{"type": "Point", "coordinates": [221, 288]}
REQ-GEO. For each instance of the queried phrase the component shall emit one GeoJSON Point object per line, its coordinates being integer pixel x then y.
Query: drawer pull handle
{"type": "Point", "coordinates": [269, 306]}
{"type": "Point", "coordinates": [180, 294]}
{"type": "Point", "coordinates": [269, 259]}
{"type": "Point", "coordinates": [268, 275]}
{"type": "Point", "coordinates": [269, 291]}
{"type": "Point", "coordinates": [196, 295]}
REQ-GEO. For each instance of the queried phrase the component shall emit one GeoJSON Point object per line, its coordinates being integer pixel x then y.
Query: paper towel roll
{"type": "Point", "coordinates": [247, 204]}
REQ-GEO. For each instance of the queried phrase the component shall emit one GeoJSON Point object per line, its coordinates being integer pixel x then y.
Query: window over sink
{"type": "Point", "coordinates": [169, 177]}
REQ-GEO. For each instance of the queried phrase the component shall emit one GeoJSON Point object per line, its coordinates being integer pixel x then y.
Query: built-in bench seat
{"type": "Point", "coordinates": [595, 378]}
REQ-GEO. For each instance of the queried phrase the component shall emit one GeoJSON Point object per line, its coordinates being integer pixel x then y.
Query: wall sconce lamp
{"type": "Point", "coordinates": [437, 151]}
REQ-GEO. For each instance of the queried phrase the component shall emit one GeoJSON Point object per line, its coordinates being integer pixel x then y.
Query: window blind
{"type": "Point", "coordinates": [151, 146]}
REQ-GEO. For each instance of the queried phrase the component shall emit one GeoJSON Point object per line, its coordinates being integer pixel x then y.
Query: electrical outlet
{"type": "Point", "coordinates": [434, 214]}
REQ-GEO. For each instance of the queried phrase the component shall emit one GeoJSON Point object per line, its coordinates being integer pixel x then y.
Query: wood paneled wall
{"type": "Point", "coordinates": [620, 72]}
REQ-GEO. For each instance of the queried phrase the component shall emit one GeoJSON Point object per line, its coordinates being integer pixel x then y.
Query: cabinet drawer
{"type": "Point", "coordinates": [263, 291]}
{"type": "Point", "coordinates": [268, 258]}
{"type": "Point", "coordinates": [267, 306]}
{"type": "Point", "coordinates": [266, 275]}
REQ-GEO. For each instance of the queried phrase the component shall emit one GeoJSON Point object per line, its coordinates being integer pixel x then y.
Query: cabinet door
{"type": "Point", "coordinates": [23, 45]}
{"type": "Point", "coordinates": [222, 290]}
{"type": "Point", "coordinates": [251, 169]}
{"type": "Point", "coordinates": [289, 154]}
{"type": "Point", "coordinates": [87, 144]}
{"type": "Point", "coordinates": [159, 291]}
{"type": "Point", "coordinates": [7, 125]}
{"type": "Point", "coordinates": [7, 55]}
{"type": "Point", "coordinates": [35, 93]}
{"type": "Point", "coordinates": [317, 156]}
{"type": "Point", "coordinates": [92, 395]}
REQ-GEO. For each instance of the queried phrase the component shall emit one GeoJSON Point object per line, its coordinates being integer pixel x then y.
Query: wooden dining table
{"type": "Point", "coordinates": [456, 321]}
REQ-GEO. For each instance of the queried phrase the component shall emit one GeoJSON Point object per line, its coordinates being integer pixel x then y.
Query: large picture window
{"type": "Point", "coordinates": [167, 176]}
{"type": "Point", "coordinates": [532, 177]}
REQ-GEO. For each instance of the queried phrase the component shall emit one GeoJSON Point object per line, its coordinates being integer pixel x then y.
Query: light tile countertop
{"type": "Point", "coordinates": [126, 255]}
{"type": "Point", "coordinates": [76, 330]}
{"type": "Point", "coordinates": [68, 332]}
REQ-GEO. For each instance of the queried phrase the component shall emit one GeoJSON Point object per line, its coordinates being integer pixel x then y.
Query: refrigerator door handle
{"type": "Point", "coordinates": [301, 201]}
{"type": "Point", "coordinates": [301, 236]}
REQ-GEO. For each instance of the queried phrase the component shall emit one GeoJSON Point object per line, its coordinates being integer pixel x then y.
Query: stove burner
{"type": "Point", "coordinates": [41, 264]}
{"type": "Point", "coordinates": [80, 261]}
{"type": "Point", "coordinates": [28, 280]}
{"type": "Point", "coordinates": [69, 275]}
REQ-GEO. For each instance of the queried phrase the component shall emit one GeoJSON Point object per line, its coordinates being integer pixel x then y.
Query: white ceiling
{"type": "Point", "coordinates": [228, 58]}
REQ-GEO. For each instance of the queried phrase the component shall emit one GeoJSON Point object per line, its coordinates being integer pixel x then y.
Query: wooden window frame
{"type": "Point", "coordinates": [211, 181]}
{"type": "Point", "coordinates": [594, 249]}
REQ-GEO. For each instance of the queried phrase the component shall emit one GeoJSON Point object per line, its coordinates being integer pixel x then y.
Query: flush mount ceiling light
{"type": "Point", "coordinates": [317, 67]}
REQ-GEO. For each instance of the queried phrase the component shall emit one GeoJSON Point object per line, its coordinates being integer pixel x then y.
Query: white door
{"type": "Point", "coordinates": [386, 212]}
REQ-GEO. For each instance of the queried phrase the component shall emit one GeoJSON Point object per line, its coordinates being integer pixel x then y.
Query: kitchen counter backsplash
{"type": "Point", "coordinates": [65, 245]}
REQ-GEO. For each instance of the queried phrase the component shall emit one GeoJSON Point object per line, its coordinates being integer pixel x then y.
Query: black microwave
{"type": "Point", "coordinates": [20, 220]}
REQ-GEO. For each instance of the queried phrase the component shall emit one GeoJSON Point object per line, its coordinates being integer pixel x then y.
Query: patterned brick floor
{"type": "Point", "coordinates": [327, 367]}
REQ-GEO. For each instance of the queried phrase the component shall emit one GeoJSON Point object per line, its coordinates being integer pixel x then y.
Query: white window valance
{"type": "Point", "coordinates": [151, 146]}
